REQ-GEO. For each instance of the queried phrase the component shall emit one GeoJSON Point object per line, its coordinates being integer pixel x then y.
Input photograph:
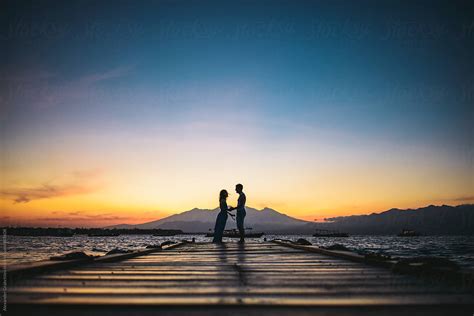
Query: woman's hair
{"type": "Point", "coordinates": [223, 194]}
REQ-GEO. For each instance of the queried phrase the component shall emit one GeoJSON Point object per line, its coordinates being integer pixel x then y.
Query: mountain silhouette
{"type": "Point", "coordinates": [201, 220]}
{"type": "Point", "coordinates": [429, 220]}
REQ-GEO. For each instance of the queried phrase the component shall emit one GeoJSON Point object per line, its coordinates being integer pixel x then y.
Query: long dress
{"type": "Point", "coordinates": [220, 222]}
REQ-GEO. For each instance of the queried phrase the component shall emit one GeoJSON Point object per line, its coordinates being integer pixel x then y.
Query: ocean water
{"type": "Point", "coordinates": [29, 249]}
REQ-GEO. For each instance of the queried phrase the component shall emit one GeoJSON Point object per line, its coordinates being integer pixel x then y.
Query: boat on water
{"type": "Point", "coordinates": [234, 233]}
{"type": "Point", "coordinates": [329, 233]}
{"type": "Point", "coordinates": [408, 233]}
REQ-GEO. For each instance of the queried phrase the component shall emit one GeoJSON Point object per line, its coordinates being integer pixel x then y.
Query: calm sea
{"type": "Point", "coordinates": [456, 248]}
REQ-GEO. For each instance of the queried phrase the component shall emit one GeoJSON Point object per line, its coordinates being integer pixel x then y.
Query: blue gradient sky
{"type": "Point", "coordinates": [321, 108]}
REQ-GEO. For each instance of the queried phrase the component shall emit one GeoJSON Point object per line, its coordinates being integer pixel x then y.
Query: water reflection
{"type": "Point", "coordinates": [457, 248]}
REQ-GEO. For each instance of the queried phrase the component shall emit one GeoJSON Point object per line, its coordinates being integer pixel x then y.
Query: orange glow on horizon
{"type": "Point", "coordinates": [38, 214]}
{"type": "Point", "coordinates": [101, 182]}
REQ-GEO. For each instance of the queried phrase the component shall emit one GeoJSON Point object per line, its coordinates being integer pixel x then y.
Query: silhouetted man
{"type": "Point", "coordinates": [240, 211]}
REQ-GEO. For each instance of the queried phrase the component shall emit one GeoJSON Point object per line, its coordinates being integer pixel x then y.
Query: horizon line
{"type": "Point", "coordinates": [258, 210]}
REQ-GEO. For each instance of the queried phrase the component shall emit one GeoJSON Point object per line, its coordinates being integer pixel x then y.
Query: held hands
{"type": "Point", "coordinates": [229, 212]}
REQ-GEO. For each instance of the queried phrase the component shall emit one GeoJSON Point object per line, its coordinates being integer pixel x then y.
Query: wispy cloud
{"type": "Point", "coordinates": [466, 198]}
{"type": "Point", "coordinates": [44, 191]}
{"type": "Point", "coordinates": [80, 182]}
{"type": "Point", "coordinates": [78, 219]}
{"type": "Point", "coordinates": [81, 216]}
{"type": "Point", "coordinates": [84, 219]}
{"type": "Point", "coordinates": [106, 75]}
{"type": "Point", "coordinates": [454, 199]}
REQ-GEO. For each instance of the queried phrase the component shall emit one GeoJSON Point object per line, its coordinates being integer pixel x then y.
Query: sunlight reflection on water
{"type": "Point", "coordinates": [457, 248]}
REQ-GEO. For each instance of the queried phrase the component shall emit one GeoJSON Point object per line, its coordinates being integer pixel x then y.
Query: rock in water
{"type": "Point", "coordinates": [303, 242]}
{"type": "Point", "coordinates": [117, 251]}
{"type": "Point", "coordinates": [153, 246]}
{"type": "Point", "coordinates": [336, 247]}
{"type": "Point", "coordinates": [377, 257]}
{"type": "Point", "coordinates": [98, 250]}
{"type": "Point", "coordinates": [168, 242]}
{"type": "Point", "coordinates": [72, 256]}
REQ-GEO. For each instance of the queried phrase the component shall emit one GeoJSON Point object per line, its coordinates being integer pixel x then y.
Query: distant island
{"type": "Point", "coordinates": [93, 232]}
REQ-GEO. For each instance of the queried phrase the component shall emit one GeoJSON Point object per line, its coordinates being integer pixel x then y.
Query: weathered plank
{"type": "Point", "coordinates": [33, 268]}
{"type": "Point", "coordinates": [233, 275]}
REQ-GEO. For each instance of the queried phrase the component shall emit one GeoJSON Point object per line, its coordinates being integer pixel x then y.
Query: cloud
{"type": "Point", "coordinates": [463, 198]}
{"type": "Point", "coordinates": [79, 216]}
{"type": "Point", "coordinates": [83, 219]}
{"type": "Point", "coordinates": [45, 191]}
{"type": "Point", "coordinates": [80, 183]}
{"type": "Point", "coordinates": [455, 199]}
{"type": "Point", "coordinates": [106, 75]}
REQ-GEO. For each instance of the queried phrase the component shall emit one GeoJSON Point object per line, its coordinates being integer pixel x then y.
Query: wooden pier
{"type": "Point", "coordinates": [253, 278]}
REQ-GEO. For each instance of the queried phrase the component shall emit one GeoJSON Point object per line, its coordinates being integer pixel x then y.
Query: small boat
{"type": "Point", "coordinates": [234, 233]}
{"type": "Point", "coordinates": [408, 233]}
{"type": "Point", "coordinates": [329, 233]}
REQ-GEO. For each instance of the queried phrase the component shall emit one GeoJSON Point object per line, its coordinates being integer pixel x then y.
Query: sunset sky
{"type": "Point", "coordinates": [132, 111]}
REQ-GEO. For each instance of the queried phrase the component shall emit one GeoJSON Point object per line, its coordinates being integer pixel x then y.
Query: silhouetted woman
{"type": "Point", "coordinates": [221, 217]}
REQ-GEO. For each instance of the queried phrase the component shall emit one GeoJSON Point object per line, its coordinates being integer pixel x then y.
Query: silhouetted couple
{"type": "Point", "coordinates": [225, 210]}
